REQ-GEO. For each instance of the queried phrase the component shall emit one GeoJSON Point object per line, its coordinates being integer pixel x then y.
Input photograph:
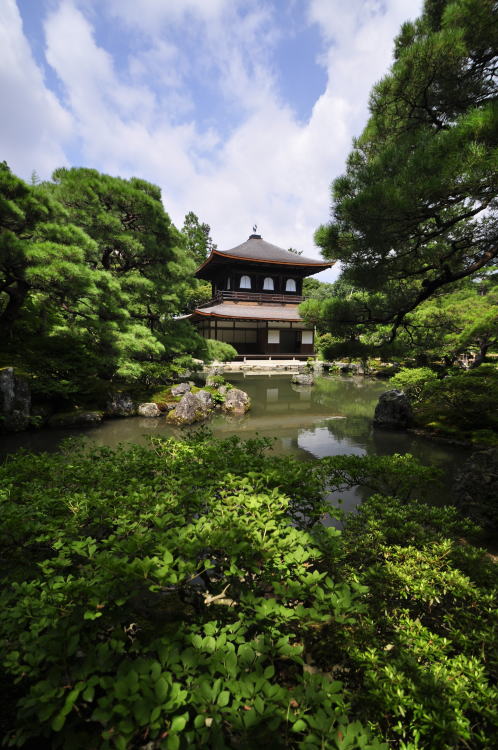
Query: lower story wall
{"type": "Point", "coordinates": [259, 337]}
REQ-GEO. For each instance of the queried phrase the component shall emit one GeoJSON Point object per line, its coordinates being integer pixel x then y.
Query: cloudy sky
{"type": "Point", "coordinates": [243, 111]}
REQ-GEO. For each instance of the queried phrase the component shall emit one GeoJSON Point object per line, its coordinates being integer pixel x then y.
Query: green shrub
{"type": "Point", "coordinates": [424, 663]}
{"type": "Point", "coordinates": [165, 596]}
{"type": "Point", "coordinates": [466, 401]}
{"type": "Point", "coordinates": [219, 351]}
{"type": "Point", "coordinates": [412, 381]}
{"type": "Point", "coordinates": [187, 594]}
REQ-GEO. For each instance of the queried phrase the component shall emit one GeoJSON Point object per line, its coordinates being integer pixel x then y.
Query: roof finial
{"type": "Point", "coordinates": [254, 228]}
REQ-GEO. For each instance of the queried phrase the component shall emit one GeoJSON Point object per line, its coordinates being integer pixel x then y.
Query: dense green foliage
{"type": "Point", "coordinates": [412, 381]}
{"type": "Point", "coordinates": [455, 322]}
{"type": "Point", "coordinates": [188, 595]}
{"type": "Point", "coordinates": [416, 210]}
{"type": "Point", "coordinates": [463, 404]}
{"type": "Point", "coordinates": [219, 351]}
{"type": "Point", "coordinates": [92, 272]}
{"type": "Point", "coordinates": [451, 324]}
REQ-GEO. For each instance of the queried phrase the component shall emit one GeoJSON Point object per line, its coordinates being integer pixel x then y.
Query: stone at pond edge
{"type": "Point", "coordinates": [306, 379]}
{"type": "Point", "coordinates": [393, 411]}
{"type": "Point", "coordinates": [120, 405]}
{"type": "Point", "coordinates": [149, 409]}
{"type": "Point", "coordinates": [15, 401]}
{"type": "Point", "coordinates": [181, 388]}
{"type": "Point", "coordinates": [475, 489]}
{"type": "Point", "coordinates": [190, 409]}
{"type": "Point", "coordinates": [236, 402]}
{"type": "Point", "coordinates": [75, 419]}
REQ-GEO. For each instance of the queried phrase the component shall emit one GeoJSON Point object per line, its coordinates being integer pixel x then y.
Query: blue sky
{"type": "Point", "coordinates": [243, 111]}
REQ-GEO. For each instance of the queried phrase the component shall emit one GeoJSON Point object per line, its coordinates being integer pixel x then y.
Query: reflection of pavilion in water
{"type": "Point", "coordinates": [284, 411]}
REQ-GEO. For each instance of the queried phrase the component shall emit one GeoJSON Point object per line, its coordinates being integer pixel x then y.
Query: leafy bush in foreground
{"type": "Point", "coordinates": [162, 595]}
{"type": "Point", "coordinates": [187, 594]}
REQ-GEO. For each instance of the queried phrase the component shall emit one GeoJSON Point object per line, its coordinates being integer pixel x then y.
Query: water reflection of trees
{"type": "Point", "coordinates": [353, 397]}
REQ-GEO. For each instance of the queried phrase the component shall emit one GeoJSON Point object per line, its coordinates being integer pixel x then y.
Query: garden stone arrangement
{"type": "Point", "coordinates": [196, 407]}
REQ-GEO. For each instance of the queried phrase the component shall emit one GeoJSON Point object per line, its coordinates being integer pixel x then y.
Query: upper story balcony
{"type": "Point", "coordinates": [260, 297]}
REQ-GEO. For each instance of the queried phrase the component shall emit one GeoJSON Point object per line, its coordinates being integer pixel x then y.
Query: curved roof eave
{"type": "Point", "coordinates": [305, 263]}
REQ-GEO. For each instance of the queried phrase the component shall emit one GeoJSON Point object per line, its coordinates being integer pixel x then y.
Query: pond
{"type": "Point", "coordinates": [334, 417]}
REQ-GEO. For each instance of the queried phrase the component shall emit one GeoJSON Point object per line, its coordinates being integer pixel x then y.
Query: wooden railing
{"type": "Point", "coordinates": [261, 297]}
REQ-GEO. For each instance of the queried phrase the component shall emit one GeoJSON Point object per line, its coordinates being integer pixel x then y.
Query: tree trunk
{"type": "Point", "coordinates": [17, 295]}
{"type": "Point", "coordinates": [481, 357]}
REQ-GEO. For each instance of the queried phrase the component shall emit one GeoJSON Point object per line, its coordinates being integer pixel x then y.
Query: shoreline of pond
{"type": "Point", "coordinates": [333, 417]}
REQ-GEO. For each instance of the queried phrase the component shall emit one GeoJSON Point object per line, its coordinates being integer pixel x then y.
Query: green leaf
{"type": "Point", "coordinates": [223, 698]}
{"type": "Point", "coordinates": [58, 722]}
{"type": "Point", "coordinates": [178, 723]}
{"type": "Point", "coordinates": [299, 726]}
{"type": "Point", "coordinates": [161, 689]}
{"type": "Point", "coordinates": [172, 742]}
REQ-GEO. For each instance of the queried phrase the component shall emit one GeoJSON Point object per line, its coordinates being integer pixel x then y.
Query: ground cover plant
{"type": "Point", "coordinates": [187, 594]}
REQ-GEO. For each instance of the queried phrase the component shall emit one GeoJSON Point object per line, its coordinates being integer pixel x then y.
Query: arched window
{"type": "Point", "coordinates": [245, 282]}
{"type": "Point", "coordinates": [290, 285]}
{"type": "Point", "coordinates": [268, 285]}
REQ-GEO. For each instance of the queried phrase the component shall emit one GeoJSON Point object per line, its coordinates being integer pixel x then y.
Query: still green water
{"type": "Point", "coordinates": [334, 417]}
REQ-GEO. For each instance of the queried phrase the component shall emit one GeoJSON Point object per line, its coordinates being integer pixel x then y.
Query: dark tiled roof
{"type": "Point", "coordinates": [250, 312]}
{"type": "Point", "coordinates": [259, 251]}
{"type": "Point", "coordinates": [255, 248]}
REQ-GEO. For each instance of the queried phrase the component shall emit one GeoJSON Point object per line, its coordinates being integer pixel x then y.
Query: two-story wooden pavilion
{"type": "Point", "coordinates": [257, 288]}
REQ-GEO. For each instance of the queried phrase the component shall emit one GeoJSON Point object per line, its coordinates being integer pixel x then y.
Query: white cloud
{"type": "Point", "coordinates": [35, 127]}
{"type": "Point", "coordinates": [264, 165]}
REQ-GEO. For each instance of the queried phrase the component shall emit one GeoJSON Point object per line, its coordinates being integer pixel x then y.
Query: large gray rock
{"type": "Point", "coordinates": [305, 379]}
{"type": "Point", "coordinates": [206, 398]}
{"type": "Point", "coordinates": [78, 418]}
{"type": "Point", "coordinates": [120, 405]}
{"type": "Point", "coordinates": [190, 409]}
{"type": "Point", "coordinates": [180, 389]}
{"type": "Point", "coordinates": [475, 489]}
{"type": "Point", "coordinates": [15, 401]}
{"type": "Point", "coordinates": [393, 411]}
{"type": "Point", "coordinates": [148, 409]}
{"type": "Point", "coordinates": [236, 402]}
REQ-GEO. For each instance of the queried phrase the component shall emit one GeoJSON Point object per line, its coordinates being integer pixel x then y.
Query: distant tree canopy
{"type": "Point", "coordinates": [417, 209]}
{"type": "Point", "coordinates": [198, 242]}
{"type": "Point", "coordinates": [92, 272]}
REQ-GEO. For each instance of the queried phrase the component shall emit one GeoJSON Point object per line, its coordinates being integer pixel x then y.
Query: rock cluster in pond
{"type": "Point", "coordinates": [190, 409]}
{"type": "Point", "coordinates": [183, 403]}
{"type": "Point", "coordinates": [393, 411]}
{"type": "Point", "coordinates": [196, 407]}
{"type": "Point", "coordinates": [15, 401]}
{"type": "Point", "coordinates": [304, 379]}
{"type": "Point", "coordinates": [475, 489]}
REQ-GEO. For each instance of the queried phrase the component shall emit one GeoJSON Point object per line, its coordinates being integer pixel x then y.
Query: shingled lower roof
{"type": "Point", "coordinates": [250, 312]}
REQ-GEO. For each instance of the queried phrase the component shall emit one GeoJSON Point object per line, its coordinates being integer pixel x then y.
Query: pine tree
{"type": "Point", "coordinates": [417, 210]}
